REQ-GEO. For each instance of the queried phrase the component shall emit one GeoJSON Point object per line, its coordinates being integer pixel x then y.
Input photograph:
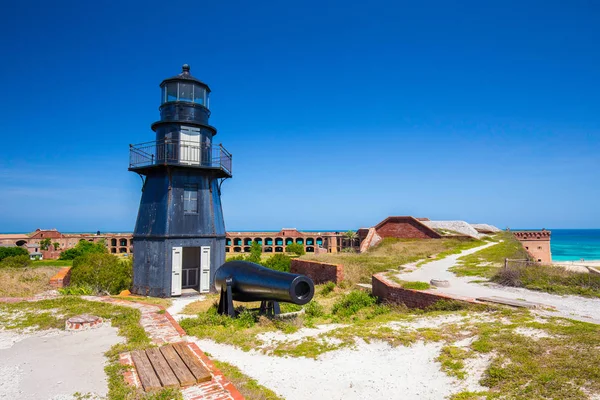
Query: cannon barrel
{"type": "Point", "coordinates": [253, 282]}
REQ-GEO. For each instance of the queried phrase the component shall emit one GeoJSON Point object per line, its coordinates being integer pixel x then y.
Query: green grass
{"type": "Point", "coordinates": [453, 359]}
{"type": "Point", "coordinates": [416, 285]}
{"type": "Point", "coordinates": [486, 262]}
{"type": "Point", "coordinates": [53, 263]}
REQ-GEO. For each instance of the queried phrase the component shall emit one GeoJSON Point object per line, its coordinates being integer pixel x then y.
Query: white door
{"type": "Point", "coordinates": [189, 145]}
{"type": "Point", "coordinates": [205, 269]}
{"type": "Point", "coordinates": [176, 271]}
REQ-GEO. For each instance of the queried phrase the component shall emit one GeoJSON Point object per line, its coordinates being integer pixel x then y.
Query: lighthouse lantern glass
{"type": "Point", "coordinates": [185, 91]}
{"type": "Point", "coordinates": [199, 95]}
{"type": "Point", "coordinates": [171, 91]}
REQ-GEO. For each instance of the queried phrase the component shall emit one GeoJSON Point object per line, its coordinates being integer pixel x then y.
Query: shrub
{"type": "Point", "coordinates": [314, 309]}
{"type": "Point", "coordinates": [352, 302]}
{"type": "Point", "coordinates": [102, 272]}
{"type": "Point", "coordinates": [12, 252]}
{"type": "Point", "coordinates": [278, 262]}
{"type": "Point", "coordinates": [82, 248]}
{"type": "Point", "coordinates": [245, 319]}
{"type": "Point", "coordinates": [21, 261]}
{"type": "Point", "coordinates": [295, 248]}
{"type": "Point", "coordinates": [327, 288]}
{"type": "Point", "coordinates": [255, 253]}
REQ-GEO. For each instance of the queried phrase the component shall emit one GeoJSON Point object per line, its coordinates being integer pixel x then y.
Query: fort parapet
{"type": "Point", "coordinates": [537, 244]}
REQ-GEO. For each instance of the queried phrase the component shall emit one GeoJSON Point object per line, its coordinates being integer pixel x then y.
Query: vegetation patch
{"type": "Point", "coordinates": [12, 252]}
{"type": "Point", "coordinates": [549, 279]}
{"type": "Point", "coordinates": [25, 282]}
{"type": "Point", "coordinates": [104, 273]}
{"type": "Point", "coordinates": [349, 304]}
{"type": "Point", "coordinates": [452, 359]}
{"type": "Point", "coordinates": [486, 262]}
{"type": "Point", "coordinates": [563, 365]}
{"type": "Point", "coordinates": [52, 263]}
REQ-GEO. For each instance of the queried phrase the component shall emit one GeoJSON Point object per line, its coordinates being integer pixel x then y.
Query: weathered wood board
{"type": "Point", "coordinates": [181, 370]}
{"type": "Point", "coordinates": [145, 371]}
{"type": "Point", "coordinates": [161, 367]}
{"type": "Point", "coordinates": [192, 362]}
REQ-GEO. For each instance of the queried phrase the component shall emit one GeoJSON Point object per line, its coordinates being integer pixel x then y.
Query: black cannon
{"type": "Point", "coordinates": [246, 281]}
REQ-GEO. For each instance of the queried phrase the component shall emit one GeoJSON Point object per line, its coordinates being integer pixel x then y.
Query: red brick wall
{"type": "Point", "coordinates": [405, 228]}
{"type": "Point", "coordinates": [537, 244]}
{"type": "Point", "coordinates": [391, 292]}
{"type": "Point", "coordinates": [317, 271]}
{"type": "Point", "coordinates": [51, 254]}
{"type": "Point", "coordinates": [62, 278]}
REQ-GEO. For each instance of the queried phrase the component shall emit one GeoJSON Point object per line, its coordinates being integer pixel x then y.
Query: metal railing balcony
{"type": "Point", "coordinates": [178, 153]}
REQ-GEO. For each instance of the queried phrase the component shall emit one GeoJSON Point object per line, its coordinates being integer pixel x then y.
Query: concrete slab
{"type": "Point", "coordinates": [513, 302]}
{"type": "Point", "coordinates": [364, 286]}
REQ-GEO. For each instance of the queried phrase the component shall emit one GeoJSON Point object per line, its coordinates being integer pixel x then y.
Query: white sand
{"type": "Point", "coordinates": [179, 303]}
{"type": "Point", "coordinates": [532, 333]}
{"type": "Point", "coordinates": [271, 338]}
{"type": "Point", "coordinates": [368, 371]}
{"type": "Point", "coordinates": [54, 365]}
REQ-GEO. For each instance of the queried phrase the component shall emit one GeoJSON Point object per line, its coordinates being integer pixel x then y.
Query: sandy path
{"type": "Point", "coordinates": [179, 303]}
{"type": "Point", "coordinates": [55, 364]}
{"type": "Point", "coordinates": [575, 307]}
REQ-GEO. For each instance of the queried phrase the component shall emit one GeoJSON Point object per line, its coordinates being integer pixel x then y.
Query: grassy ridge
{"type": "Point", "coordinates": [487, 262]}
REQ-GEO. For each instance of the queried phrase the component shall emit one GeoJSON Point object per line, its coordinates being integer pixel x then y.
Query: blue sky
{"type": "Point", "coordinates": [338, 114]}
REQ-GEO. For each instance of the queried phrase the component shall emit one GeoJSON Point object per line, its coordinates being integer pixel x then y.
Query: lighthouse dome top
{"type": "Point", "coordinates": [184, 87]}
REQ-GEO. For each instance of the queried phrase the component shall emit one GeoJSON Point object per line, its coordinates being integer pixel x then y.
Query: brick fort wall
{"type": "Point", "coordinates": [317, 271]}
{"type": "Point", "coordinates": [388, 291]}
{"type": "Point", "coordinates": [405, 228]}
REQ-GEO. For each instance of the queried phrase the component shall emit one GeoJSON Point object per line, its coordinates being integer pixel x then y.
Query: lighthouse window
{"type": "Point", "coordinates": [172, 91]}
{"type": "Point", "coordinates": [185, 92]}
{"type": "Point", "coordinates": [190, 199]}
{"type": "Point", "coordinates": [199, 94]}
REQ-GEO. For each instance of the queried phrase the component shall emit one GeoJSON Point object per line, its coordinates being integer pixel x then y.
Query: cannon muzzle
{"type": "Point", "coordinates": [253, 282]}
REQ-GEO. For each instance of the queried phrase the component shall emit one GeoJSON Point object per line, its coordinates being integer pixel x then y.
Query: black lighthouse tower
{"type": "Point", "coordinates": [179, 236]}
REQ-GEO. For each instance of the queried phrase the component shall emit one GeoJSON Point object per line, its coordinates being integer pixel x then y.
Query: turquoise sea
{"type": "Point", "coordinates": [575, 244]}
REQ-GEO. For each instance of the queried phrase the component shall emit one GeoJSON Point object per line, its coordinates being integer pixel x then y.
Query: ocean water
{"type": "Point", "coordinates": [575, 244]}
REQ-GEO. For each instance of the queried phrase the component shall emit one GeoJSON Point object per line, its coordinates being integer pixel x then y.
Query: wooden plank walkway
{"type": "Point", "coordinates": [173, 365]}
